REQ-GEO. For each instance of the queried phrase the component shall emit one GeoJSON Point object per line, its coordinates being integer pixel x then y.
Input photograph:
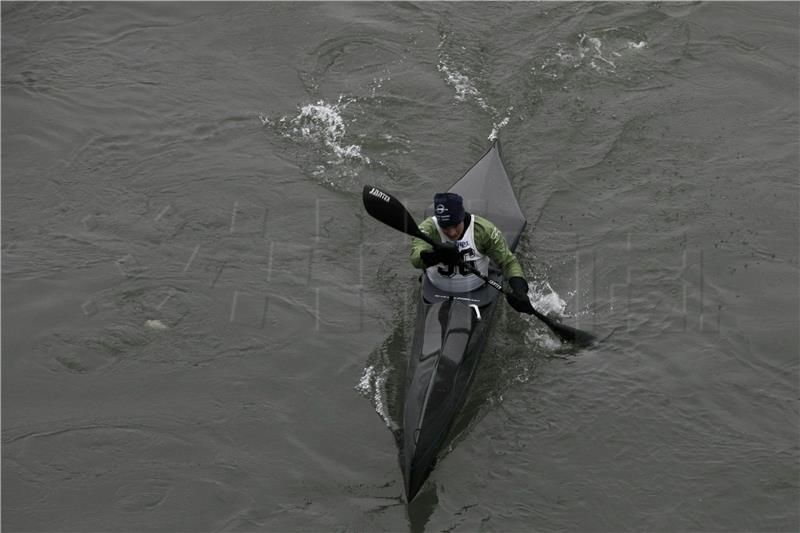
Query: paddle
{"type": "Point", "coordinates": [386, 208]}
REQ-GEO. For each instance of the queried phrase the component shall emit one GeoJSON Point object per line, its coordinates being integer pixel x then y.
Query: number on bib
{"type": "Point", "coordinates": [450, 270]}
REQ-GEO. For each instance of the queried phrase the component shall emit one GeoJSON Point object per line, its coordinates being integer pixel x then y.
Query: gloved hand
{"type": "Point", "coordinates": [446, 253]}
{"type": "Point", "coordinates": [518, 299]}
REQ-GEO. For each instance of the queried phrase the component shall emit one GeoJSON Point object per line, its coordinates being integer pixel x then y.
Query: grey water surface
{"type": "Point", "coordinates": [202, 330]}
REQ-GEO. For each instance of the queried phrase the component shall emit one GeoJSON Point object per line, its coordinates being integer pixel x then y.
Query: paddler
{"type": "Point", "coordinates": [469, 238]}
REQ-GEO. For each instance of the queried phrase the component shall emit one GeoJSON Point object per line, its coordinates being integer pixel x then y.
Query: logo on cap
{"type": "Point", "coordinates": [440, 209]}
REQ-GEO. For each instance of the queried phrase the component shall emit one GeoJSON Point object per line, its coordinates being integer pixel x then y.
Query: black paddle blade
{"type": "Point", "coordinates": [573, 336]}
{"type": "Point", "coordinates": [565, 333]}
{"type": "Point", "coordinates": [384, 207]}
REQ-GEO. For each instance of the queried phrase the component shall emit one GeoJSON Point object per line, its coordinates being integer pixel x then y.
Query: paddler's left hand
{"type": "Point", "coordinates": [518, 299]}
{"type": "Point", "coordinates": [446, 253]}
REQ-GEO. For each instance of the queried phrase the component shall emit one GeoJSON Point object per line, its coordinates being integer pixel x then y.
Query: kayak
{"type": "Point", "coordinates": [451, 329]}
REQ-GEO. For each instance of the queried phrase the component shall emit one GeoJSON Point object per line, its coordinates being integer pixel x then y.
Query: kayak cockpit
{"type": "Point", "coordinates": [481, 296]}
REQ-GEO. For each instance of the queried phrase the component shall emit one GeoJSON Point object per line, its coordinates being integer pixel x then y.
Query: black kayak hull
{"type": "Point", "coordinates": [448, 344]}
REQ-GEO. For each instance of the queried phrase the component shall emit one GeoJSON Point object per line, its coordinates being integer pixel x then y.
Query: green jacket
{"type": "Point", "coordinates": [488, 238]}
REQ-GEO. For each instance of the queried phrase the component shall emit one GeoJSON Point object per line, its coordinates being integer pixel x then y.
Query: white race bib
{"type": "Point", "coordinates": [454, 278]}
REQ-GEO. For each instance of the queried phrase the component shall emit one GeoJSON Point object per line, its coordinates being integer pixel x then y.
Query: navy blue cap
{"type": "Point", "coordinates": [449, 209]}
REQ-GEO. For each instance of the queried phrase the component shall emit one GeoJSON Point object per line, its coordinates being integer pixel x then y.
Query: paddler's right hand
{"type": "Point", "coordinates": [446, 253]}
{"type": "Point", "coordinates": [518, 299]}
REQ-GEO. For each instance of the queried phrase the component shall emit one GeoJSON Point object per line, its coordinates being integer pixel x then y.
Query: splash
{"type": "Point", "coordinates": [589, 51]}
{"type": "Point", "coordinates": [372, 385]}
{"type": "Point", "coordinates": [545, 300]}
{"type": "Point", "coordinates": [592, 47]}
{"type": "Point", "coordinates": [598, 51]}
{"type": "Point", "coordinates": [496, 127]}
{"type": "Point", "coordinates": [321, 124]}
{"type": "Point", "coordinates": [364, 386]}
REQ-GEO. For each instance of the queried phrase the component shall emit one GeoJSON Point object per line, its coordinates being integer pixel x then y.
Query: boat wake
{"type": "Point", "coordinates": [602, 52]}
{"type": "Point", "coordinates": [589, 56]}
{"type": "Point", "coordinates": [467, 89]}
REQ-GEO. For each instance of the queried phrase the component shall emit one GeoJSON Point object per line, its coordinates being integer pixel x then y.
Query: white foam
{"type": "Point", "coordinates": [321, 122]}
{"type": "Point", "coordinates": [601, 54]}
{"type": "Point", "coordinates": [462, 84]}
{"type": "Point", "coordinates": [377, 83]}
{"type": "Point", "coordinates": [497, 127]}
{"type": "Point", "coordinates": [593, 47]}
{"type": "Point", "coordinates": [365, 383]}
{"type": "Point", "coordinates": [155, 324]}
{"type": "Point", "coordinates": [465, 88]}
{"type": "Point", "coordinates": [545, 300]}
{"type": "Point", "coordinates": [544, 339]}
{"type": "Point", "coordinates": [352, 151]}
{"type": "Point", "coordinates": [372, 385]}
{"type": "Point", "coordinates": [565, 57]}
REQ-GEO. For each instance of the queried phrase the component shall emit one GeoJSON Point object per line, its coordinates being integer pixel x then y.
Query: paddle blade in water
{"type": "Point", "coordinates": [384, 207]}
{"type": "Point", "coordinates": [566, 333]}
{"type": "Point", "coordinates": [577, 337]}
